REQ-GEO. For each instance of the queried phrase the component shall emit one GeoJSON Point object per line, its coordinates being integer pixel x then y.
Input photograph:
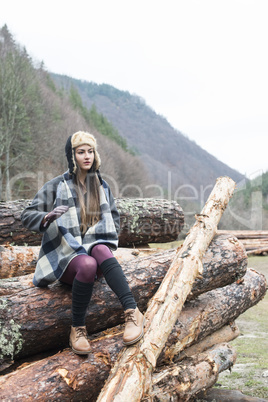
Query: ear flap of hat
{"type": "Point", "coordinates": [69, 155]}
{"type": "Point", "coordinates": [97, 159]}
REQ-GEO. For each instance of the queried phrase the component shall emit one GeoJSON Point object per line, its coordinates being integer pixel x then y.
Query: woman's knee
{"type": "Point", "coordinates": [101, 252]}
{"type": "Point", "coordinates": [86, 268]}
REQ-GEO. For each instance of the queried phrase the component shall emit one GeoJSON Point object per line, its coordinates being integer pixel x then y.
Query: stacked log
{"type": "Point", "coordinates": [36, 321]}
{"type": "Point", "coordinates": [254, 241]}
{"type": "Point", "coordinates": [142, 221]}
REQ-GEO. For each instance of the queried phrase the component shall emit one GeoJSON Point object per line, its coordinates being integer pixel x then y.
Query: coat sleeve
{"type": "Point", "coordinates": [42, 203]}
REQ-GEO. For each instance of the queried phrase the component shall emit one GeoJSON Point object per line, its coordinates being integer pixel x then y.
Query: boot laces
{"type": "Point", "coordinates": [129, 316]}
{"type": "Point", "coordinates": [80, 332]}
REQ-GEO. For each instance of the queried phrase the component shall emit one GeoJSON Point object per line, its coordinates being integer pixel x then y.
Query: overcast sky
{"type": "Point", "coordinates": [202, 64]}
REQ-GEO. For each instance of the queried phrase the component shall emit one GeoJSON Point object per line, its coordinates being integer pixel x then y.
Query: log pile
{"type": "Point", "coordinates": [254, 241]}
{"type": "Point", "coordinates": [37, 364]}
{"type": "Point", "coordinates": [27, 306]}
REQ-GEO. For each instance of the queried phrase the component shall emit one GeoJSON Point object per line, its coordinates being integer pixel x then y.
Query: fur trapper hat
{"type": "Point", "coordinates": [81, 138]}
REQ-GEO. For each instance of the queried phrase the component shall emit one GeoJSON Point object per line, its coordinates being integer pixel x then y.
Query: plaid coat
{"type": "Point", "coordinates": [62, 239]}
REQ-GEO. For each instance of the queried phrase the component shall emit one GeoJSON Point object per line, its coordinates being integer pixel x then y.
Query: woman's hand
{"type": "Point", "coordinates": [55, 214]}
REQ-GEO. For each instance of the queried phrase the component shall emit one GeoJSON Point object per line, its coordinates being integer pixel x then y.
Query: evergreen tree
{"type": "Point", "coordinates": [98, 120]}
{"type": "Point", "coordinates": [106, 128]}
{"type": "Point", "coordinates": [18, 100]}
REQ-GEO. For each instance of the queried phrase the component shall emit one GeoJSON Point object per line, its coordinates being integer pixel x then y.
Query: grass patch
{"type": "Point", "coordinates": [251, 346]}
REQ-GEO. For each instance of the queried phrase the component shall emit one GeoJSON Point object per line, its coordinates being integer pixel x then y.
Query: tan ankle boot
{"type": "Point", "coordinates": [134, 326]}
{"type": "Point", "coordinates": [78, 340]}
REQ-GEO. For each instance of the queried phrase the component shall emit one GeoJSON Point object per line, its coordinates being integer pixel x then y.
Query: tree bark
{"type": "Point", "coordinates": [81, 378]}
{"type": "Point", "coordinates": [142, 221]}
{"type": "Point", "coordinates": [224, 334]}
{"type": "Point", "coordinates": [183, 381]}
{"type": "Point", "coordinates": [17, 260]}
{"type": "Point", "coordinates": [21, 260]}
{"type": "Point", "coordinates": [30, 313]}
{"type": "Point", "coordinates": [132, 373]}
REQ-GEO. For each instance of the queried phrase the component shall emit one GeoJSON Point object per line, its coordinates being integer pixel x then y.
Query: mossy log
{"type": "Point", "coordinates": [142, 221]}
{"type": "Point", "coordinates": [37, 319]}
{"type": "Point", "coordinates": [183, 381]}
{"type": "Point", "coordinates": [81, 378]}
{"type": "Point", "coordinates": [131, 375]}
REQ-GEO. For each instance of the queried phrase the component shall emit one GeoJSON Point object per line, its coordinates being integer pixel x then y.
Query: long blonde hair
{"type": "Point", "coordinates": [90, 211]}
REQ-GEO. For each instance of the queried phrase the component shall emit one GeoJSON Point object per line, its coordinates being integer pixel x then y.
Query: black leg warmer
{"type": "Point", "coordinates": [116, 279]}
{"type": "Point", "coordinates": [81, 295]}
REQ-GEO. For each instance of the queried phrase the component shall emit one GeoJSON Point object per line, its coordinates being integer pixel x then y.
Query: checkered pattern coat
{"type": "Point", "coordinates": [62, 239]}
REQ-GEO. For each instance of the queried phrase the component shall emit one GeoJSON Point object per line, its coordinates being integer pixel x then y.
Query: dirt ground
{"type": "Point", "coordinates": [250, 372]}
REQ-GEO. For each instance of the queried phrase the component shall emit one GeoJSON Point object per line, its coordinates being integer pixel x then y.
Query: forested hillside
{"type": "Point", "coordinates": [36, 119]}
{"type": "Point", "coordinates": [170, 157]}
{"type": "Point", "coordinates": [178, 168]}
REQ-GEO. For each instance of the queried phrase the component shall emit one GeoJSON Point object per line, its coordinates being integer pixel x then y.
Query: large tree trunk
{"type": "Point", "coordinates": [21, 260]}
{"type": "Point", "coordinates": [131, 375]}
{"type": "Point", "coordinates": [224, 261]}
{"type": "Point", "coordinates": [67, 375]}
{"type": "Point", "coordinates": [183, 381]}
{"type": "Point", "coordinates": [30, 313]}
{"type": "Point", "coordinates": [142, 221]}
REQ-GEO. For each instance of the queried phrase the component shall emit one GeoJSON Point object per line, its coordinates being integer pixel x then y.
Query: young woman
{"type": "Point", "coordinates": [80, 223]}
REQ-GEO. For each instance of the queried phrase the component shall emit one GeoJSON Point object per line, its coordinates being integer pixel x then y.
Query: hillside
{"type": "Point", "coordinates": [171, 159]}
{"type": "Point", "coordinates": [35, 122]}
